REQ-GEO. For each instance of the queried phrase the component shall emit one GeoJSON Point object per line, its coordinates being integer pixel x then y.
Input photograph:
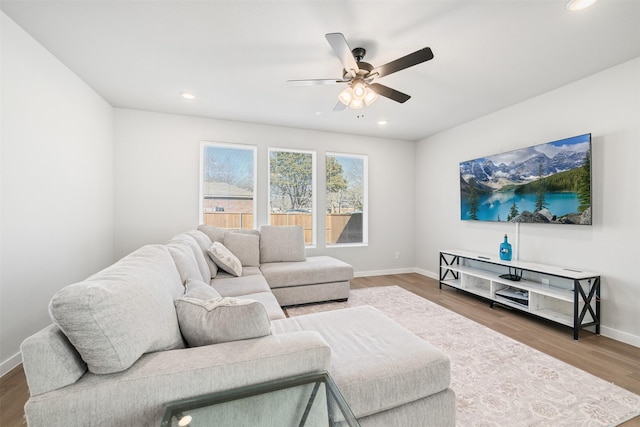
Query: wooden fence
{"type": "Point", "coordinates": [335, 223]}
{"type": "Point", "coordinates": [229, 220]}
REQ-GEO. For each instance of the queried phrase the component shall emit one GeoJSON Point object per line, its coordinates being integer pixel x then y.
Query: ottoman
{"type": "Point", "coordinates": [388, 375]}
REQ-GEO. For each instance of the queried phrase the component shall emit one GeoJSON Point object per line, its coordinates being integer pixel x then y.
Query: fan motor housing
{"type": "Point", "coordinates": [365, 69]}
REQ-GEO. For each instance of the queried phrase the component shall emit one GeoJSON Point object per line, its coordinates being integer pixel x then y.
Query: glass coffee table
{"type": "Point", "coordinates": [309, 400]}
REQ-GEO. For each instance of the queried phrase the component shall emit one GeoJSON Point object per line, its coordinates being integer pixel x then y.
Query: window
{"type": "Point", "coordinates": [347, 220]}
{"type": "Point", "coordinates": [227, 185]}
{"type": "Point", "coordinates": [291, 195]}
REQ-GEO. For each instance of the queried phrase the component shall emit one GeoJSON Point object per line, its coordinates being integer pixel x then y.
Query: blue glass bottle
{"type": "Point", "coordinates": [505, 250]}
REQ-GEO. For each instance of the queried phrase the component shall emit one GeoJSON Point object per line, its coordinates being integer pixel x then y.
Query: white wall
{"type": "Point", "coordinates": [56, 152]}
{"type": "Point", "coordinates": [157, 182]}
{"type": "Point", "coordinates": [606, 104]}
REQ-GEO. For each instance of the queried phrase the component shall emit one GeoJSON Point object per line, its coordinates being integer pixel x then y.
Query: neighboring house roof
{"type": "Point", "coordinates": [213, 189]}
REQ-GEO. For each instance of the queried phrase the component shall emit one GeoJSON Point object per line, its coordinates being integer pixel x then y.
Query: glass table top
{"type": "Point", "coordinates": [309, 400]}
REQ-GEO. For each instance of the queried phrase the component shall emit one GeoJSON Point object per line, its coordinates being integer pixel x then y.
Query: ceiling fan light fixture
{"type": "Point", "coordinates": [370, 97]}
{"type": "Point", "coordinates": [575, 5]}
{"type": "Point", "coordinates": [346, 96]}
{"type": "Point", "coordinates": [357, 95]}
{"type": "Point", "coordinates": [356, 104]}
{"type": "Point", "coordinates": [359, 90]}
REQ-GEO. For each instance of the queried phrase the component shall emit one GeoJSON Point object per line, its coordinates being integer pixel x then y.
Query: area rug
{"type": "Point", "coordinates": [498, 381]}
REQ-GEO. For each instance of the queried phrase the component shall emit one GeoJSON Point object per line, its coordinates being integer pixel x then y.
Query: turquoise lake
{"type": "Point", "coordinates": [496, 206]}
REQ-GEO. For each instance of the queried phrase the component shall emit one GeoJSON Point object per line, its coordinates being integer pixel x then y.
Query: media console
{"type": "Point", "coordinates": [563, 295]}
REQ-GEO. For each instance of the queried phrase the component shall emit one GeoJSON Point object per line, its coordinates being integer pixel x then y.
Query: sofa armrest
{"type": "Point", "coordinates": [138, 395]}
{"type": "Point", "coordinates": [50, 361]}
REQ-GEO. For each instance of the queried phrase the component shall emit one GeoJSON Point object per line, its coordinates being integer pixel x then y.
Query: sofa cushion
{"type": "Point", "coordinates": [221, 320]}
{"type": "Point", "coordinates": [216, 234]}
{"type": "Point", "coordinates": [281, 244]}
{"type": "Point", "coordinates": [376, 363]}
{"type": "Point", "coordinates": [245, 246]}
{"type": "Point", "coordinates": [316, 269]}
{"type": "Point", "coordinates": [198, 254]}
{"type": "Point", "coordinates": [197, 289]}
{"type": "Point", "coordinates": [251, 231]}
{"type": "Point", "coordinates": [204, 242]}
{"type": "Point", "coordinates": [252, 281]}
{"type": "Point", "coordinates": [184, 260]}
{"type": "Point", "coordinates": [122, 312]}
{"type": "Point", "coordinates": [225, 259]}
{"type": "Point", "coordinates": [294, 295]}
{"type": "Point", "coordinates": [270, 303]}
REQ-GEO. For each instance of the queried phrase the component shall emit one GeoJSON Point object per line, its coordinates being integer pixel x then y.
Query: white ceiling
{"type": "Point", "coordinates": [235, 56]}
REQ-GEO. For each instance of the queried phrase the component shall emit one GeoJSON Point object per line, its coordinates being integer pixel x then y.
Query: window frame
{"type": "Point", "coordinates": [314, 190]}
{"type": "Point", "coordinates": [365, 198]}
{"type": "Point", "coordinates": [254, 150]}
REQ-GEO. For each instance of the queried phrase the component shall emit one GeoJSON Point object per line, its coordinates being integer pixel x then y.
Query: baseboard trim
{"type": "Point", "coordinates": [10, 363]}
{"type": "Point", "coordinates": [617, 335]}
{"type": "Point", "coordinates": [384, 272]}
{"type": "Point", "coordinates": [429, 274]}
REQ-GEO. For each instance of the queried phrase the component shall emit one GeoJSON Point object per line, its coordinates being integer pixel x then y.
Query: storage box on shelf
{"type": "Point", "coordinates": [563, 295]}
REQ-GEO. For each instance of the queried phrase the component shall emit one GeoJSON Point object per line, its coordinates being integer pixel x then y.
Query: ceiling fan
{"type": "Point", "coordinates": [359, 75]}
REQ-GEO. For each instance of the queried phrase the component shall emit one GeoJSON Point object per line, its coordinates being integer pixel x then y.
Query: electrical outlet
{"type": "Point", "coordinates": [545, 281]}
{"type": "Point", "coordinates": [397, 254]}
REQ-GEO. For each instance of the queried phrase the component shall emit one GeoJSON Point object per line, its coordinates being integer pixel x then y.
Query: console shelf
{"type": "Point", "coordinates": [562, 295]}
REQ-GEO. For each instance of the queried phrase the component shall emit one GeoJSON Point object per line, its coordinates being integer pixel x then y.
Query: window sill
{"type": "Point", "coordinates": [347, 245]}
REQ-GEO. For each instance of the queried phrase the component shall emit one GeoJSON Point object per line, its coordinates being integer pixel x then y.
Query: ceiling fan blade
{"type": "Point", "coordinates": [339, 107]}
{"type": "Point", "coordinates": [387, 92]}
{"type": "Point", "coordinates": [410, 60]}
{"type": "Point", "coordinates": [343, 51]}
{"type": "Point", "coordinates": [315, 82]}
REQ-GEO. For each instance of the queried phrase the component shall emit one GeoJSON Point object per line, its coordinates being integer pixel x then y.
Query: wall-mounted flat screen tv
{"type": "Point", "coordinates": [547, 183]}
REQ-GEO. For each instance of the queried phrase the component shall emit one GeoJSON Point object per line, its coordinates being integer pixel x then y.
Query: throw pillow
{"type": "Point", "coordinates": [200, 290]}
{"type": "Point", "coordinates": [245, 246]}
{"type": "Point", "coordinates": [221, 320]}
{"type": "Point", "coordinates": [225, 259]}
{"type": "Point", "coordinates": [281, 244]}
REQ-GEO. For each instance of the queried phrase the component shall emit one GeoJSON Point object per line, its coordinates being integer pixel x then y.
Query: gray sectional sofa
{"type": "Point", "coordinates": [174, 321]}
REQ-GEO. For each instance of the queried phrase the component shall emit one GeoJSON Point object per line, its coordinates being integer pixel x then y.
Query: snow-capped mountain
{"type": "Point", "coordinates": [486, 171]}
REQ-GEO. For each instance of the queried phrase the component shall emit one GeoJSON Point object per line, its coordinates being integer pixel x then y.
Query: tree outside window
{"type": "Point", "coordinates": [291, 196]}
{"type": "Point", "coordinates": [347, 221]}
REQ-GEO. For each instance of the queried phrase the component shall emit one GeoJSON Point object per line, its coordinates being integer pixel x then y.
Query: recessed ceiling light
{"type": "Point", "coordinates": [318, 113]}
{"type": "Point", "coordinates": [382, 122]}
{"type": "Point", "coordinates": [575, 5]}
{"type": "Point", "coordinates": [187, 95]}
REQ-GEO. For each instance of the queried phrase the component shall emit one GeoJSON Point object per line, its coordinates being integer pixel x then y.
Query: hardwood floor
{"type": "Point", "coordinates": [603, 357]}
{"type": "Point", "coordinates": [13, 395]}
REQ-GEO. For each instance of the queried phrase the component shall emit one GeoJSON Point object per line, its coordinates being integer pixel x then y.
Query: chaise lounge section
{"type": "Point", "coordinates": [160, 325]}
{"type": "Point", "coordinates": [319, 278]}
{"type": "Point", "coordinates": [292, 277]}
